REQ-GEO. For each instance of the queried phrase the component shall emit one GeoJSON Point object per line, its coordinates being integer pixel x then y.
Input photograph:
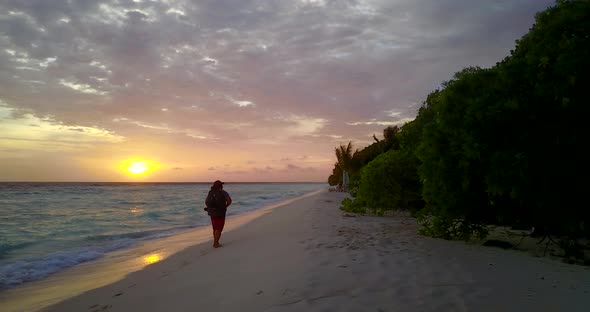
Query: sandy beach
{"type": "Point", "coordinates": [310, 256]}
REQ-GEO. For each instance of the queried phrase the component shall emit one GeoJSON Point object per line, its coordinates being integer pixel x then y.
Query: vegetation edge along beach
{"type": "Point", "coordinates": [493, 148]}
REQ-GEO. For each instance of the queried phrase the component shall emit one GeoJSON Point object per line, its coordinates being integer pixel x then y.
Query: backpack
{"type": "Point", "coordinates": [216, 203]}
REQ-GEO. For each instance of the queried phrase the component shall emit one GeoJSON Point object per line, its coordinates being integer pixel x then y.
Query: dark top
{"type": "Point", "coordinates": [219, 212]}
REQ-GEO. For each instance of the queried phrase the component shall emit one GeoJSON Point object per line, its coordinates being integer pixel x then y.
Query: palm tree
{"type": "Point", "coordinates": [391, 140]}
{"type": "Point", "coordinates": [344, 155]}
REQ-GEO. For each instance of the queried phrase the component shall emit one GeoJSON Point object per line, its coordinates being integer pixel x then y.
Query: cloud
{"type": "Point", "coordinates": [265, 170]}
{"type": "Point", "coordinates": [291, 167]}
{"type": "Point", "coordinates": [258, 75]}
{"type": "Point", "coordinates": [240, 103]}
{"type": "Point", "coordinates": [392, 113]}
{"type": "Point", "coordinates": [371, 122]}
{"type": "Point", "coordinates": [28, 129]}
{"type": "Point", "coordinates": [83, 88]}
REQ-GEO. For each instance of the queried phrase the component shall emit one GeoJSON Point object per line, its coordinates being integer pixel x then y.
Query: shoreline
{"type": "Point", "coordinates": [308, 255]}
{"type": "Point", "coordinates": [116, 265]}
{"type": "Point", "coordinates": [311, 256]}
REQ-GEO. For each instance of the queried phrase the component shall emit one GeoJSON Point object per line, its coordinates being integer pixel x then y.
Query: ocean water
{"type": "Point", "coordinates": [49, 227]}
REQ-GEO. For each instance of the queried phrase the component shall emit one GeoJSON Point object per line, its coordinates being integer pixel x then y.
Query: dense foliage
{"type": "Point", "coordinates": [352, 162]}
{"type": "Point", "coordinates": [502, 145]}
{"type": "Point", "coordinates": [506, 146]}
{"type": "Point", "coordinates": [386, 183]}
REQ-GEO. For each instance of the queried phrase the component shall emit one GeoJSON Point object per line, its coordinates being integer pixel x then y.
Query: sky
{"type": "Point", "coordinates": [242, 90]}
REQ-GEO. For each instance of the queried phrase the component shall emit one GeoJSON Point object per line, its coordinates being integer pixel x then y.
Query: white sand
{"type": "Point", "coordinates": [310, 256]}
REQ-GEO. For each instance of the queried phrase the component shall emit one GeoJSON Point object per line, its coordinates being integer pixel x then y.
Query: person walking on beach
{"type": "Point", "coordinates": [217, 202]}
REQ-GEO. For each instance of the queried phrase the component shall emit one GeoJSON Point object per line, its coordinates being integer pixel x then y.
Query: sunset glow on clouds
{"type": "Point", "coordinates": [234, 90]}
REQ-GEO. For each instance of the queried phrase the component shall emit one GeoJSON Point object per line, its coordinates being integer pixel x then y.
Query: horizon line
{"type": "Point", "coordinates": [161, 182]}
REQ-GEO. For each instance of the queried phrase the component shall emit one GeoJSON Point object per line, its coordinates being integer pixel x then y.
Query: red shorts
{"type": "Point", "coordinates": [218, 223]}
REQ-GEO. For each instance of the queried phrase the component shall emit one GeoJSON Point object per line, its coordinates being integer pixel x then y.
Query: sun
{"type": "Point", "coordinates": [137, 167]}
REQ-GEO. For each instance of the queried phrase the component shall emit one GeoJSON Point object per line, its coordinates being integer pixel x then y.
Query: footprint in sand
{"type": "Point", "coordinates": [97, 307]}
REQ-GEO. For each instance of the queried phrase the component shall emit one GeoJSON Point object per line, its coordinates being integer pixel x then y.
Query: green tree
{"type": "Point", "coordinates": [391, 139]}
{"type": "Point", "coordinates": [453, 154]}
{"type": "Point", "coordinates": [506, 144]}
{"type": "Point", "coordinates": [542, 161]}
{"type": "Point", "coordinates": [388, 182]}
{"type": "Point", "coordinates": [344, 156]}
{"type": "Point", "coordinates": [336, 176]}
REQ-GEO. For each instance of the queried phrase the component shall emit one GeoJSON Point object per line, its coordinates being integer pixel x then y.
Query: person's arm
{"type": "Point", "coordinates": [208, 200]}
{"type": "Point", "coordinates": [227, 200]}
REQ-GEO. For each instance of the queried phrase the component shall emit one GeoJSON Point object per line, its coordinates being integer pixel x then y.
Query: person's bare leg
{"type": "Point", "coordinates": [216, 237]}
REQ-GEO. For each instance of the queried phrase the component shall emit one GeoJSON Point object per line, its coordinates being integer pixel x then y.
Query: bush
{"type": "Point", "coordinates": [348, 206]}
{"type": "Point", "coordinates": [507, 144]}
{"type": "Point", "coordinates": [388, 182]}
{"type": "Point", "coordinates": [446, 227]}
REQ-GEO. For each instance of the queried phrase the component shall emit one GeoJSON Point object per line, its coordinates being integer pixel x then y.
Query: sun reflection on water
{"type": "Point", "coordinates": [136, 209]}
{"type": "Point", "coordinates": [152, 258]}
